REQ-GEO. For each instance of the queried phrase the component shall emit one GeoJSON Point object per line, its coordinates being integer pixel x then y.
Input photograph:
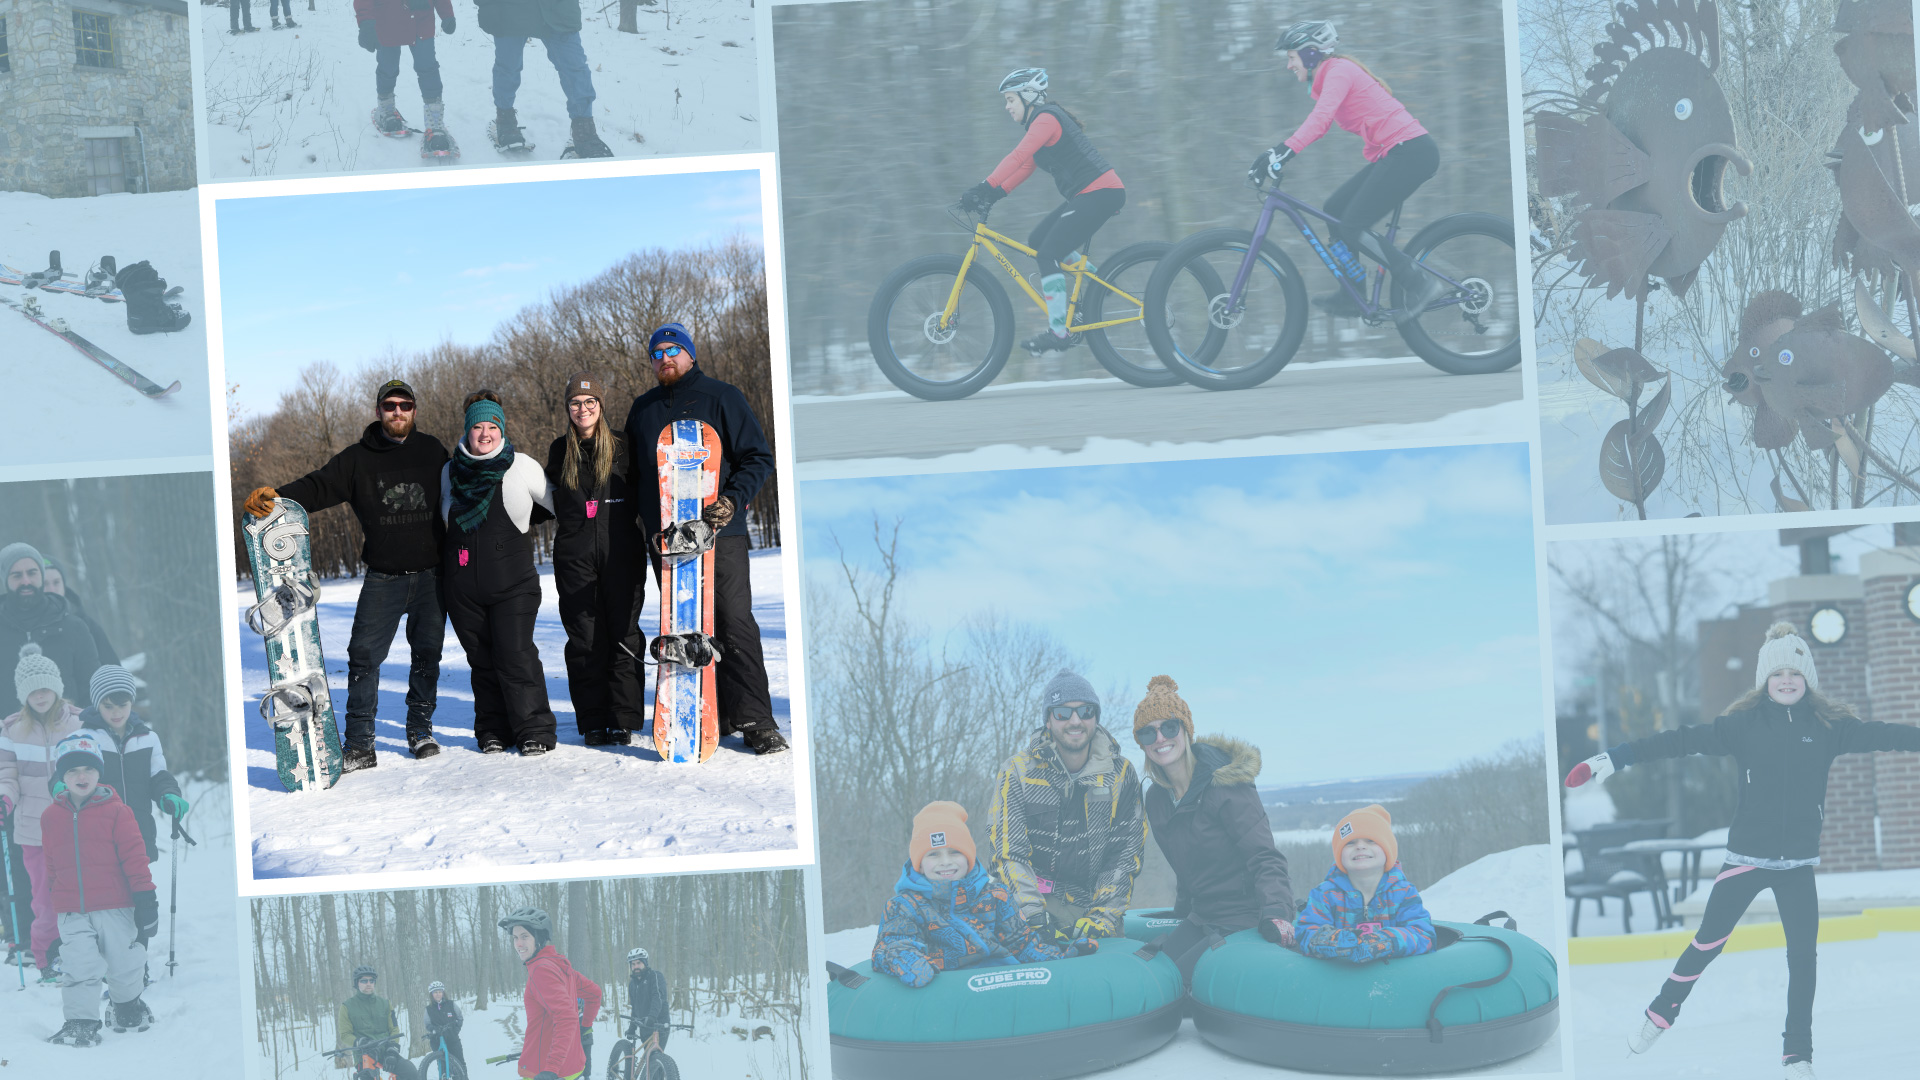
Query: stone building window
{"type": "Point", "coordinates": [93, 40]}
{"type": "Point", "coordinates": [106, 166]}
{"type": "Point", "coordinates": [3, 45]}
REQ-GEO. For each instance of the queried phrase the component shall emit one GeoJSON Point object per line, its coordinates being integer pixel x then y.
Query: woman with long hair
{"type": "Point", "coordinates": [598, 566]}
{"type": "Point", "coordinates": [1783, 735]}
{"type": "Point", "coordinates": [27, 739]}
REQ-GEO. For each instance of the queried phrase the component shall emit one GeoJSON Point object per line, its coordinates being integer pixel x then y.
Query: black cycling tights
{"type": "Point", "coordinates": [1373, 192]}
{"type": "Point", "coordinates": [1072, 224]}
{"type": "Point", "coordinates": [1733, 891]}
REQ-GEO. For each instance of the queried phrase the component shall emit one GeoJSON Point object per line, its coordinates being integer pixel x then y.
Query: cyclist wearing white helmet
{"type": "Point", "coordinates": [1400, 157]}
{"type": "Point", "coordinates": [647, 997]}
{"type": "Point", "coordinates": [1056, 143]}
{"type": "Point", "coordinates": [444, 1022]}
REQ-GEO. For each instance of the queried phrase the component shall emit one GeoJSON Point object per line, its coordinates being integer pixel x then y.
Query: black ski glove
{"type": "Point", "coordinates": [980, 197]}
{"type": "Point", "coordinates": [146, 915]}
{"type": "Point", "coordinates": [446, 24]}
{"type": "Point", "coordinates": [718, 513]}
{"type": "Point", "coordinates": [369, 40]}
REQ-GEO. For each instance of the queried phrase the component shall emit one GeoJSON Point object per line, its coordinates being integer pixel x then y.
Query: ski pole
{"type": "Point", "coordinates": [173, 888]}
{"type": "Point", "coordinates": [13, 903]}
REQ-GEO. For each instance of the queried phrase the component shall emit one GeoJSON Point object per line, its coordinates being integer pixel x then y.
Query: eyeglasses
{"type": "Point", "coordinates": [1063, 712]}
{"type": "Point", "coordinates": [1153, 733]}
{"type": "Point", "coordinates": [581, 403]}
{"type": "Point", "coordinates": [669, 350]}
{"type": "Point", "coordinates": [396, 406]}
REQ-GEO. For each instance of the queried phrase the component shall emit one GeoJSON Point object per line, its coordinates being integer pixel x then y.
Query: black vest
{"type": "Point", "coordinates": [1072, 161]}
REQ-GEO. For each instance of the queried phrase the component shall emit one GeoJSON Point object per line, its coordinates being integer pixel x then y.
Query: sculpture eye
{"type": "Point", "coordinates": [1873, 138]}
{"type": "Point", "coordinates": [1786, 356]}
{"type": "Point", "coordinates": [1683, 108]}
{"type": "Point", "coordinates": [1754, 352]}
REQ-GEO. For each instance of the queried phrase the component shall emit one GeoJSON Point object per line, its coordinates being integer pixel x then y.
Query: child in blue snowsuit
{"type": "Point", "coordinates": [947, 913]}
{"type": "Point", "coordinates": [1366, 909]}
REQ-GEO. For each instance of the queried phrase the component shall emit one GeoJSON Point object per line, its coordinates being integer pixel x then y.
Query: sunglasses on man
{"type": "Point", "coordinates": [1084, 712]}
{"type": "Point", "coordinates": [396, 405]}
{"type": "Point", "coordinates": [1153, 733]}
{"type": "Point", "coordinates": [666, 351]}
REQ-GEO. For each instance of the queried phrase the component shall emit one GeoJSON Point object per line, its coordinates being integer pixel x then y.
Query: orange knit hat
{"type": "Point", "coordinates": [940, 824]}
{"type": "Point", "coordinates": [1372, 822]}
{"type": "Point", "coordinates": [1163, 702]}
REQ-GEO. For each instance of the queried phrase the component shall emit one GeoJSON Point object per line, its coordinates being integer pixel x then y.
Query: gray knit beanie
{"type": "Point", "coordinates": [1785, 649]}
{"type": "Point", "coordinates": [36, 672]}
{"type": "Point", "coordinates": [111, 678]}
{"type": "Point", "coordinates": [16, 551]}
{"type": "Point", "coordinates": [1067, 686]}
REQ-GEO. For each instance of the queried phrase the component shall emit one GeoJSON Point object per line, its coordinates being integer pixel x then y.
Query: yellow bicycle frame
{"type": "Point", "coordinates": [985, 237]}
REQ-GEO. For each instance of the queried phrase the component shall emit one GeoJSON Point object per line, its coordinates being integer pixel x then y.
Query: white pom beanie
{"type": "Point", "coordinates": [35, 672]}
{"type": "Point", "coordinates": [1785, 649]}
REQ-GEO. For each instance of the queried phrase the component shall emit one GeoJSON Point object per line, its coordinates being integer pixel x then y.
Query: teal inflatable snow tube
{"type": "Point", "coordinates": [1034, 1021]}
{"type": "Point", "coordinates": [1486, 994]}
{"type": "Point", "coordinates": [1147, 925]}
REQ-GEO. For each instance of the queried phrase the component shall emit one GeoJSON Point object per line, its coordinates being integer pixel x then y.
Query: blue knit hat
{"type": "Point", "coordinates": [674, 333]}
{"type": "Point", "coordinates": [487, 411]}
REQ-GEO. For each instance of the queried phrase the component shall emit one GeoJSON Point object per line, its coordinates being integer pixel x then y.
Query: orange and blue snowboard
{"type": "Point", "coordinates": [686, 718]}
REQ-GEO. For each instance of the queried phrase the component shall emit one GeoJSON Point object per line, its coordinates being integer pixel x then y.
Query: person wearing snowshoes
{"type": "Point", "coordinates": [443, 1025]}
{"type": "Point", "coordinates": [1066, 830]}
{"type": "Point", "coordinates": [391, 479]}
{"type": "Point", "coordinates": [27, 742]}
{"type": "Point", "coordinates": [54, 580]}
{"type": "Point", "coordinates": [1055, 142]}
{"type": "Point", "coordinates": [599, 567]}
{"type": "Point", "coordinates": [491, 497]}
{"type": "Point", "coordinates": [1784, 735]}
{"type": "Point", "coordinates": [29, 613]}
{"type": "Point", "coordinates": [558, 1002]}
{"type": "Point", "coordinates": [135, 766]}
{"type": "Point", "coordinates": [557, 24]}
{"type": "Point", "coordinates": [103, 894]}
{"type": "Point", "coordinates": [647, 1002]}
{"type": "Point", "coordinates": [746, 461]}
{"type": "Point", "coordinates": [386, 27]}
{"type": "Point", "coordinates": [275, 8]}
{"type": "Point", "coordinates": [366, 1018]}
{"type": "Point", "coordinates": [240, 17]}
{"type": "Point", "coordinates": [145, 293]}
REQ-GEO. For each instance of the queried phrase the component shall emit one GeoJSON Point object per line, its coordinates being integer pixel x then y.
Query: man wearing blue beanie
{"type": "Point", "coordinates": [687, 393]}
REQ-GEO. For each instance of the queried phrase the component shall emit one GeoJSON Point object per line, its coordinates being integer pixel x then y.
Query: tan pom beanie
{"type": "Point", "coordinates": [1163, 702]}
{"type": "Point", "coordinates": [1784, 649]}
{"type": "Point", "coordinates": [940, 824]}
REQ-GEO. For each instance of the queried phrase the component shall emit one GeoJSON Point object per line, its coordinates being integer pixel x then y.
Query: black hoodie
{"type": "Point", "coordinates": [394, 489]}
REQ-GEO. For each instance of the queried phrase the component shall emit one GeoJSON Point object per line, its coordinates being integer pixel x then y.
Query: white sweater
{"type": "Point", "coordinates": [524, 484]}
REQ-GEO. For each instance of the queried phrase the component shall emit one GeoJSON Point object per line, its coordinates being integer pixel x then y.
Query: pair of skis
{"type": "Point", "coordinates": [53, 279]}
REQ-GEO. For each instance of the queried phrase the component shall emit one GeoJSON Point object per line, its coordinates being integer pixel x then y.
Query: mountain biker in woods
{"type": "Point", "coordinates": [1400, 157]}
{"type": "Point", "coordinates": [443, 1023]}
{"type": "Point", "coordinates": [647, 998]}
{"type": "Point", "coordinates": [366, 1016]}
{"type": "Point", "coordinates": [559, 1001]}
{"type": "Point", "coordinates": [1093, 192]}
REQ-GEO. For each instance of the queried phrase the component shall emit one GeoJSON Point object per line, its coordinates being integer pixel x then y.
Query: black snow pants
{"type": "Point", "coordinates": [493, 599]}
{"type": "Point", "coordinates": [600, 608]}
{"type": "Point", "coordinates": [740, 678]}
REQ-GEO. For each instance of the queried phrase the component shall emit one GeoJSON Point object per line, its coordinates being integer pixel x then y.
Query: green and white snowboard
{"type": "Point", "coordinates": [297, 705]}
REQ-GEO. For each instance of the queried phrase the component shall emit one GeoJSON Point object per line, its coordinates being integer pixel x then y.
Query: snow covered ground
{"type": "Point", "coordinates": [297, 102]}
{"type": "Point", "coordinates": [463, 810]}
{"type": "Point", "coordinates": [1522, 881]}
{"type": "Point", "coordinates": [197, 1008]}
{"type": "Point", "coordinates": [61, 406]}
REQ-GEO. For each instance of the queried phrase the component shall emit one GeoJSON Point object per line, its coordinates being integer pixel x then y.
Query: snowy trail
{"type": "Point", "coordinates": [41, 370]}
{"type": "Point", "coordinates": [297, 102]}
{"type": "Point", "coordinates": [198, 1007]}
{"type": "Point", "coordinates": [462, 810]}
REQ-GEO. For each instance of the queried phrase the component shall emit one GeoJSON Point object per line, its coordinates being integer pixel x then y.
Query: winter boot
{"type": "Point", "coordinates": [492, 744]}
{"type": "Point", "coordinates": [586, 141]}
{"type": "Point", "coordinates": [422, 746]}
{"type": "Point", "coordinates": [437, 143]}
{"type": "Point", "coordinates": [608, 737]}
{"type": "Point", "coordinates": [1048, 342]}
{"type": "Point", "coordinates": [505, 133]}
{"type": "Point", "coordinates": [276, 23]}
{"type": "Point", "coordinates": [532, 749]}
{"type": "Point", "coordinates": [388, 121]}
{"type": "Point", "coordinates": [355, 758]}
{"type": "Point", "coordinates": [764, 741]}
{"type": "Point", "coordinates": [145, 292]}
{"type": "Point", "coordinates": [77, 1033]}
{"type": "Point", "coordinates": [290, 23]}
{"type": "Point", "coordinates": [132, 1016]}
{"type": "Point", "coordinates": [1651, 1028]}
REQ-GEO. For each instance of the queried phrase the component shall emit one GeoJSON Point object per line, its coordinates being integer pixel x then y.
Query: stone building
{"type": "Point", "coordinates": [96, 96]}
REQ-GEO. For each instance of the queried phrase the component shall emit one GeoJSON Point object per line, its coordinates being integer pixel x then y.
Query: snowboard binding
{"type": "Point", "coordinates": [40, 279]}
{"type": "Point", "coordinates": [687, 537]}
{"type": "Point", "coordinates": [694, 650]}
{"type": "Point", "coordinates": [290, 600]}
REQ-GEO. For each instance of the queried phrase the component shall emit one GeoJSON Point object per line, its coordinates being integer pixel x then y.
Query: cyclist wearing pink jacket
{"type": "Point", "coordinates": [1400, 157]}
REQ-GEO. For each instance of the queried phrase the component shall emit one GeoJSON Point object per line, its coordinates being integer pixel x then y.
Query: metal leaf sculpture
{"type": "Point", "coordinates": [1647, 156]}
{"type": "Point", "coordinates": [1632, 461]}
{"type": "Point", "coordinates": [1800, 373]}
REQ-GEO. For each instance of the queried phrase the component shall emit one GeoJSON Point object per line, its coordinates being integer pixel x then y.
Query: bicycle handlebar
{"type": "Point", "coordinates": [965, 218]}
{"type": "Point", "coordinates": [362, 1045]}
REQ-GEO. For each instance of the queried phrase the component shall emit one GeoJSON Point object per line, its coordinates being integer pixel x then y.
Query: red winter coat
{"type": "Point", "coordinates": [96, 857]}
{"type": "Point", "coordinates": [397, 24]}
{"type": "Point", "coordinates": [560, 1001]}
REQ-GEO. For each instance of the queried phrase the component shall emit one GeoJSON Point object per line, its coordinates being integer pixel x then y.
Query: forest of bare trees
{"type": "Point", "coordinates": [725, 942]}
{"type": "Point", "coordinates": [1179, 97]}
{"type": "Point", "coordinates": [601, 325]}
{"type": "Point", "coordinates": [139, 552]}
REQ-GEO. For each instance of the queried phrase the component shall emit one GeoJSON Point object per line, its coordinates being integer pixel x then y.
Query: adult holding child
{"type": "Point", "coordinates": [491, 498]}
{"type": "Point", "coordinates": [27, 739]}
{"type": "Point", "coordinates": [1207, 817]}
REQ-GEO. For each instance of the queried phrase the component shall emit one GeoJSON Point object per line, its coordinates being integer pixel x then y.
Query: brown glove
{"type": "Point", "coordinates": [718, 513]}
{"type": "Point", "coordinates": [260, 501]}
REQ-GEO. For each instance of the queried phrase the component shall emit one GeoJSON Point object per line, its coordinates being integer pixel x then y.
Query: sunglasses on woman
{"type": "Point", "coordinates": [1153, 733]}
{"type": "Point", "coordinates": [1084, 712]}
{"type": "Point", "coordinates": [663, 353]}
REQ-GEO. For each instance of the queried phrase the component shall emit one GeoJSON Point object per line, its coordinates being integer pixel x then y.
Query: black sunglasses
{"type": "Point", "coordinates": [1084, 712]}
{"type": "Point", "coordinates": [1153, 733]}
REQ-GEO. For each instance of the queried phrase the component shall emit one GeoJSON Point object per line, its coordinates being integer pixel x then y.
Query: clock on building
{"type": "Point", "coordinates": [1913, 599]}
{"type": "Point", "coordinates": [1829, 625]}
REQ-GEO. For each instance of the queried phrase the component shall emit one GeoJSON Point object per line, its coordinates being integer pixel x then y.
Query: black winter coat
{"type": "Point", "coordinates": [1784, 754]}
{"type": "Point", "coordinates": [529, 18]}
{"type": "Point", "coordinates": [1219, 841]}
{"type": "Point", "coordinates": [595, 529]}
{"type": "Point", "coordinates": [137, 769]}
{"type": "Point", "coordinates": [443, 1018]}
{"type": "Point", "coordinates": [64, 638]}
{"type": "Point", "coordinates": [746, 460]}
{"type": "Point", "coordinates": [647, 999]}
{"type": "Point", "coordinates": [394, 489]}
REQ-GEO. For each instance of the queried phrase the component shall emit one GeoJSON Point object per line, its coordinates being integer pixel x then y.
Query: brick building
{"type": "Point", "coordinates": [1866, 644]}
{"type": "Point", "coordinates": [96, 97]}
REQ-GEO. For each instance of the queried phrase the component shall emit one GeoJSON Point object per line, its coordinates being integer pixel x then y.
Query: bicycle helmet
{"type": "Point", "coordinates": [636, 954]}
{"type": "Point", "coordinates": [1315, 34]}
{"type": "Point", "coordinates": [1029, 83]}
{"type": "Point", "coordinates": [364, 972]}
{"type": "Point", "coordinates": [535, 920]}
{"type": "Point", "coordinates": [436, 985]}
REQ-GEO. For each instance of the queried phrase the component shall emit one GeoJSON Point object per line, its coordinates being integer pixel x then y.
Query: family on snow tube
{"type": "Point", "coordinates": [1065, 836]}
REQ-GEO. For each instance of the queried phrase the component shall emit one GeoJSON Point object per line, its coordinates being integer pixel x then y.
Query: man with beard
{"type": "Point", "coordinates": [1067, 829]}
{"type": "Point", "coordinates": [29, 612]}
{"type": "Point", "coordinates": [391, 479]}
{"type": "Point", "coordinates": [687, 393]}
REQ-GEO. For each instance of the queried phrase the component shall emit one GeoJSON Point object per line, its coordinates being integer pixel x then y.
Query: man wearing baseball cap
{"type": "Point", "coordinates": [391, 479]}
{"type": "Point", "coordinates": [687, 393]}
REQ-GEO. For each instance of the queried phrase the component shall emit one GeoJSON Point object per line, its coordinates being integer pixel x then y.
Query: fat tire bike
{"type": "Point", "coordinates": [632, 1060]}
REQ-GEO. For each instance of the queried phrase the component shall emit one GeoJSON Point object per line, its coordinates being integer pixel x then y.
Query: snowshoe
{"type": "Point", "coordinates": [132, 1016]}
{"type": "Point", "coordinates": [506, 135]}
{"type": "Point", "coordinates": [438, 144]}
{"type": "Point", "coordinates": [148, 309]}
{"type": "Point", "coordinates": [532, 749]}
{"type": "Point", "coordinates": [422, 747]}
{"type": "Point", "coordinates": [764, 741]}
{"type": "Point", "coordinates": [687, 537]}
{"type": "Point", "coordinates": [1049, 342]}
{"type": "Point", "coordinates": [355, 758]}
{"type": "Point", "coordinates": [77, 1033]}
{"type": "Point", "coordinates": [585, 142]}
{"type": "Point", "coordinates": [1800, 1070]}
{"type": "Point", "coordinates": [388, 121]}
{"type": "Point", "coordinates": [688, 650]}
{"type": "Point", "coordinates": [1642, 1040]}
{"type": "Point", "coordinates": [492, 744]}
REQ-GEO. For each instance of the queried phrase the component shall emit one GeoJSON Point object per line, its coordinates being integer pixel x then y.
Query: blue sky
{"type": "Point", "coordinates": [1354, 615]}
{"type": "Point", "coordinates": [356, 276]}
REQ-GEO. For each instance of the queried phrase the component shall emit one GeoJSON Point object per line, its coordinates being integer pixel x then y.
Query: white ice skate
{"type": "Point", "coordinates": [1642, 1039]}
{"type": "Point", "coordinates": [1800, 1070]}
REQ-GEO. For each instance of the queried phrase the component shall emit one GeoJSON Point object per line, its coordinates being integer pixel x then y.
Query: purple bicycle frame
{"type": "Point", "coordinates": [1296, 210]}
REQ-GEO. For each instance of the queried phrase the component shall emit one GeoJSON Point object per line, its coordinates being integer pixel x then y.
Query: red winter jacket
{"type": "Point", "coordinates": [96, 857]}
{"type": "Point", "coordinates": [560, 1001]}
{"type": "Point", "coordinates": [397, 24]}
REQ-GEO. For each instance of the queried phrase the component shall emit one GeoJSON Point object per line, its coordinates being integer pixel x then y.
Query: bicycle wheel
{"type": "Point", "coordinates": [1478, 333]}
{"type": "Point", "coordinates": [922, 357]}
{"type": "Point", "coordinates": [1193, 332]}
{"type": "Point", "coordinates": [661, 1067]}
{"type": "Point", "coordinates": [1124, 350]}
{"type": "Point", "coordinates": [622, 1064]}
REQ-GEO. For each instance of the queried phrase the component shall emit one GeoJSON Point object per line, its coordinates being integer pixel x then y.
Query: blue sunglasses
{"type": "Point", "coordinates": [670, 350]}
